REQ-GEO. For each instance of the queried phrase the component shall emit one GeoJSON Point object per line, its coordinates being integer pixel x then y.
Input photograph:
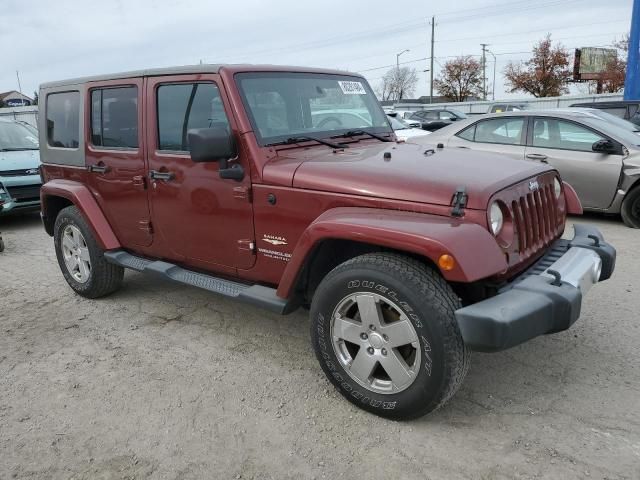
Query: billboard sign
{"type": "Point", "coordinates": [591, 62]}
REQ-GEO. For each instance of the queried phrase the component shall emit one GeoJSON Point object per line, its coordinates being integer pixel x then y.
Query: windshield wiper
{"type": "Point", "coordinates": [353, 133]}
{"type": "Point", "coordinates": [305, 138]}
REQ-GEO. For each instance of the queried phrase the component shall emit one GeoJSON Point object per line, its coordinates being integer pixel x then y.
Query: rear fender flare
{"type": "Point", "coordinates": [475, 250]}
{"type": "Point", "coordinates": [80, 196]}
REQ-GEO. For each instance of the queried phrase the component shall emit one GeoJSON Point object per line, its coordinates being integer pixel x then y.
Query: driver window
{"type": "Point", "coordinates": [560, 134]}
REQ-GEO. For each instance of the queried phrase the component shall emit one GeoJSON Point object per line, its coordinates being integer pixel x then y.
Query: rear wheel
{"type": "Point", "coordinates": [631, 208]}
{"type": "Point", "coordinates": [81, 258]}
{"type": "Point", "coordinates": [385, 334]}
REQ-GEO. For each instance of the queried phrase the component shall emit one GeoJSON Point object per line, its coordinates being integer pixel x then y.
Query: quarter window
{"type": "Point", "coordinates": [560, 134]}
{"type": "Point", "coordinates": [468, 133]}
{"type": "Point", "coordinates": [505, 131]}
{"type": "Point", "coordinates": [63, 119]}
{"type": "Point", "coordinates": [114, 117]}
{"type": "Point", "coordinates": [182, 107]}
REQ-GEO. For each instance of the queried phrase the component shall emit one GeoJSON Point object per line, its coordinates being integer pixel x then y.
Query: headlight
{"type": "Point", "coordinates": [557, 187]}
{"type": "Point", "coordinates": [496, 218]}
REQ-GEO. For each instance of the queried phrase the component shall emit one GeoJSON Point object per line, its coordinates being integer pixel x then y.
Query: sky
{"type": "Point", "coordinates": [51, 40]}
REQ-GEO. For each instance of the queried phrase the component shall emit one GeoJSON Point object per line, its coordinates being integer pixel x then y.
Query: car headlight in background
{"type": "Point", "coordinates": [496, 218]}
{"type": "Point", "coordinates": [557, 187]}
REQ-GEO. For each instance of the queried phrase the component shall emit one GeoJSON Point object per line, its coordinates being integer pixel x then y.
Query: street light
{"type": "Point", "coordinates": [398, 58]}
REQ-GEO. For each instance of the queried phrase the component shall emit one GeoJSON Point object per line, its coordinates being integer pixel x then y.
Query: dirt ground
{"type": "Point", "coordinates": [165, 381]}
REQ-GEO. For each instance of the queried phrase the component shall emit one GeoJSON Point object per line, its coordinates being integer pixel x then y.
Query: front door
{"type": "Point", "coordinates": [202, 219]}
{"type": "Point", "coordinates": [567, 147]}
{"type": "Point", "coordinates": [115, 157]}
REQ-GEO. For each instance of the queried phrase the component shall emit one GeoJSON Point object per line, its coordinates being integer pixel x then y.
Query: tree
{"type": "Point", "coordinates": [545, 74]}
{"type": "Point", "coordinates": [612, 80]}
{"type": "Point", "coordinates": [460, 79]}
{"type": "Point", "coordinates": [398, 83]}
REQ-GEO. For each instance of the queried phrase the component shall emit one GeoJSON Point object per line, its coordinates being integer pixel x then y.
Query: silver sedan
{"type": "Point", "coordinates": [597, 155]}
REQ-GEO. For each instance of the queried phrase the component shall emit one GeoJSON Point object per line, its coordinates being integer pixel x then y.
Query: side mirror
{"type": "Point", "coordinates": [604, 146]}
{"type": "Point", "coordinates": [215, 144]}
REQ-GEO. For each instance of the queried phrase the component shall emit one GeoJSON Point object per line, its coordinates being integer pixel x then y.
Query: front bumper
{"type": "Point", "coordinates": [545, 299]}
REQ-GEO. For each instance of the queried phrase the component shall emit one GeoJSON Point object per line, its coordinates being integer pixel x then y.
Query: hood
{"type": "Point", "coordinates": [409, 174]}
{"type": "Point", "coordinates": [20, 160]}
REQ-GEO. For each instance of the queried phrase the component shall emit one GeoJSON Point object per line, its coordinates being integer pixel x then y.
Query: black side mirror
{"type": "Point", "coordinates": [215, 144]}
{"type": "Point", "coordinates": [604, 146]}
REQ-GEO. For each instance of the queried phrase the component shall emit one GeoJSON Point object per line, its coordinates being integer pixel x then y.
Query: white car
{"type": "Point", "coordinates": [404, 116]}
{"type": "Point", "coordinates": [404, 130]}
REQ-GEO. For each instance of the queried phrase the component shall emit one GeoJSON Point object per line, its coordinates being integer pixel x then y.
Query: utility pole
{"type": "Point", "coordinates": [632, 80]}
{"type": "Point", "coordinates": [433, 41]}
{"type": "Point", "coordinates": [493, 88]}
{"type": "Point", "coordinates": [18, 77]}
{"type": "Point", "coordinates": [484, 70]}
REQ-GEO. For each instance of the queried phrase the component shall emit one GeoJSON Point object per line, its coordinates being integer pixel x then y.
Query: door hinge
{"type": "Point", "coordinates": [146, 226]}
{"type": "Point", "coordinates": [459, 202]}
{"type": "Point", "coordinates": [245, 245]}
{"type": "Point", "coordinates": [242, 193]}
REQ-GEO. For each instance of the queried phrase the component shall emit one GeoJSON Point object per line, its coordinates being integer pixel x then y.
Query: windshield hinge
{"type": "Point", "coordinates": [459, 202]}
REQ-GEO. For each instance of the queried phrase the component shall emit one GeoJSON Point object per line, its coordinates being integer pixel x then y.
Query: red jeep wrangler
{"type": "Point", "coordinates": [285, 187]}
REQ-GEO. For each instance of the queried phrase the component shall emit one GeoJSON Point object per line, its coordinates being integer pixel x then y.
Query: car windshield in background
{"type": "Point", "coordinates": [286, 105]}
{"type": "Point", "coordinates": [620, 122]}
{"type": "Point", "coordinates": [458, 113]}
{"type": "Point", "coordinates": [398, 124]}
{"type": "Point", "coordinates": [15, 137]}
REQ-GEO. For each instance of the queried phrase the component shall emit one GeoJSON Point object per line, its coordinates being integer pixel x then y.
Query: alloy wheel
{"type": "Point", "coordinates": [76, 254]}
{"type": "Point", "coordinates": [375, 342]}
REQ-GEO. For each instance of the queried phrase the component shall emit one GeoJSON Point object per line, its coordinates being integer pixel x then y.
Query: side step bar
{"type": "Point", "coordinates": [257, 295]}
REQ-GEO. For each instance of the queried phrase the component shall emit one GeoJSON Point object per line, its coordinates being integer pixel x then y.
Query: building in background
{"type": "Point", "coordinates": [15, 99]}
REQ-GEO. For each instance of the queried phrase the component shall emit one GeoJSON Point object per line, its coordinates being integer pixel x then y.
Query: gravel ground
{"type": "Point", "coordinates": [165, 381]}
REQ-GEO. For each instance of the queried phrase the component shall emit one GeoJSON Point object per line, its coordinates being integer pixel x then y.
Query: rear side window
{"type": "Point", "coordinates": [468, 133]}
{"type": "Point", "coordinates": [63, 119]}
{"type": "Point", "coordinates": [554, 133]}
{"type": "Point", "coordinates": [184, 106]}
{"type": "Point", "coordinates": [114, 117]}
{"type": "Point", "coordinates": [504, 131]}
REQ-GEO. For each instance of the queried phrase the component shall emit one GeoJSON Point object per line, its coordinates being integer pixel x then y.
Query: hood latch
{"type": "Point", "coordinates": [459, 202]}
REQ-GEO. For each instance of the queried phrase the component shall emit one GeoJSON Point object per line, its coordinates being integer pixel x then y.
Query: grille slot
{"type": "Point", "coordinates": [24, 193]}
{"type": "Point", "coordinates": [18, 173]}
{"type": "Point", "coordinates": [536, 218]}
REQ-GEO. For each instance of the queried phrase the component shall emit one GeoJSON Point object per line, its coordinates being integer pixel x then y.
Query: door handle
{"type": "Point", "coordinates": [537, 156]}
{"type": "Point", "coordinates": [166, 176]}
{"type": "Point", "coordinates": [99, 168]}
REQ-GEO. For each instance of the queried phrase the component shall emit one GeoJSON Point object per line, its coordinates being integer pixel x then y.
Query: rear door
{"type": "Point", "coordinates": [504, 135]}
{"type": "Point", "coordinates": [115, 157]}
{"type": "Point", "coordinates": [567, 146]}
{"type": "Point", "coordinates": [202, 219]}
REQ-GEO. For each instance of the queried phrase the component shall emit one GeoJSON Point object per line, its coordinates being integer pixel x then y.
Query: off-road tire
{"type": "Point", "coordinates": [630, 210]}
{"type": "Point", "coordinates": [105, 278]}
{"type": "Point", "coordinates": [429, 303]}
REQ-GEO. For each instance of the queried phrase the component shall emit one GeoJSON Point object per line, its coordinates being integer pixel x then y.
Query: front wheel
{"type": "Point", "coordinates": [384, 331]}
{"type": "Point", "coordinates": [631, 208]}
{"type": "Point", "coordinates": [81, 258]}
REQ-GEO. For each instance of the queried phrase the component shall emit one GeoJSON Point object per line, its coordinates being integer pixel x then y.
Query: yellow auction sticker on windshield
{"type": "Point", "coordinates": [352, 88]}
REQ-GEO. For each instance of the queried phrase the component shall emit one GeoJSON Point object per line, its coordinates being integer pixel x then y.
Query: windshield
{"type": "Point", "coordinates": [624, 135]}
{"type": "Point", "coordinates": [15, 136]}
{"type": "Point", "coordinates": [398, 124]}
{"type": "Point", "coordinates": [615, 120]}
{"type": "Point", "coordinates": [458, 113]}
{"type": "Point", "coordinates": [284, 105]}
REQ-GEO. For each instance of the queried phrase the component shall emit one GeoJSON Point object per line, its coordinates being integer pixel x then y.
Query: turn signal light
{"type": "Point", "coordinates": [446, 262]}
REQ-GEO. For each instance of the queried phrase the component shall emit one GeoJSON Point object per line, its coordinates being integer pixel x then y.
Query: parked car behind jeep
{"type": "Point", "coordinates": [19, 168]}
{"type": "Point", "coordinates": [595, 154]}
{"type": "Point", "coordinates": [226, 178]}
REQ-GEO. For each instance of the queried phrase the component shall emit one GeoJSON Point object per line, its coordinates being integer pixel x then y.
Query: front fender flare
{"type": "Point", "coordinates": [475, 250]}
{"type": "Point", "coordinates": [80, 196]}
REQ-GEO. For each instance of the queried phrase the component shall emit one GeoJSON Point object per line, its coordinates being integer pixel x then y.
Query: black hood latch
{"type": "Point", "coordinates": [459, 202]}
